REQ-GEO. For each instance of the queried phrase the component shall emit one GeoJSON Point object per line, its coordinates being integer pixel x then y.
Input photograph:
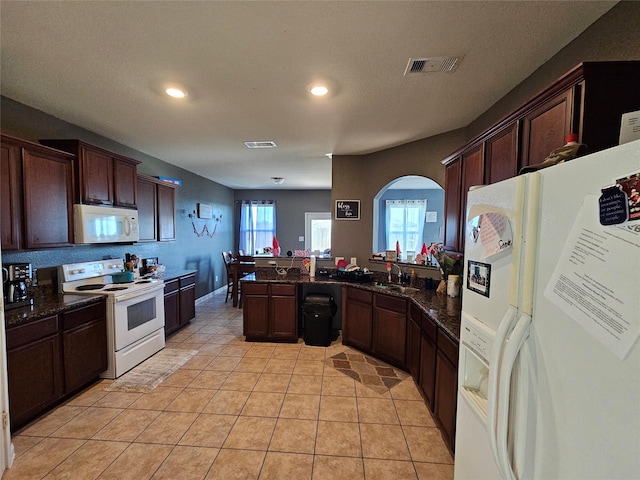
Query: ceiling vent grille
{"type": "Point", "coordinates": [433, 64]}
{"type": "Point", "coordinates": [267, 144]}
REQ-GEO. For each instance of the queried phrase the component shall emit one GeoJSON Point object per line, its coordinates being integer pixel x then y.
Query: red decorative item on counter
{"type": "Point", "coordinates": [276, 247]}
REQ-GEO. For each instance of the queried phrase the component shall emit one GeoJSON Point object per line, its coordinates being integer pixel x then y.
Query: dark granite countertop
{"type": "Point", "coordinates": [444, 310]}
{"type": "Point", "coordinates": [46, 303]}
{"type": "Point", "coordinates": [169, 275]}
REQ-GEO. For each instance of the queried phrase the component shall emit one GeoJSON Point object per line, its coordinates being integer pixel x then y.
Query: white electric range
{"type": "Point", "coordinates": [135, 311]}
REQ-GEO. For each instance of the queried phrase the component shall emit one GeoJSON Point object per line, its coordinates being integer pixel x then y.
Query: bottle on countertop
{"type": "Point", "coordinates": [412, 278]}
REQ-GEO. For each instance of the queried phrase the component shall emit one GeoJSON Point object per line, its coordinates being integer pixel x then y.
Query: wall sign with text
{"type": "Point", "coordinates": [347, 209]}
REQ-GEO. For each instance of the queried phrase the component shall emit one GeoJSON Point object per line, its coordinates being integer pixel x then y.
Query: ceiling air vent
{"type": "Point", "coordinates": [267, 144]}
{"type": "Point", "coordinates": [433, 64]}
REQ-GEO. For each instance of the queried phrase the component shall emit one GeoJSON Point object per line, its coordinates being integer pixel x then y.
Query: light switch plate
{"type": "Point", "coordinates": [301, 238]}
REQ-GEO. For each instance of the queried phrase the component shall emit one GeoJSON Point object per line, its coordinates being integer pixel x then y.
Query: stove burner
{"type": "Point", "coordinates": [113, 289]}
{"type": "Point", "coordinates": [90, 286]}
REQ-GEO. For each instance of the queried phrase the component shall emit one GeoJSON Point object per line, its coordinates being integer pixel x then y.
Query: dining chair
{"type": "Point", "coordinates": [226, 258]}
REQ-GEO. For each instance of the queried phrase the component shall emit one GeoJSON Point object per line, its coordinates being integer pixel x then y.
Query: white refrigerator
{"type": "Point", "coordinates": [549, 370]}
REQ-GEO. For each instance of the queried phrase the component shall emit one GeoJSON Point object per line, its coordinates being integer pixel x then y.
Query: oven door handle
{"type": "Point", "coordinates": [139, 295]}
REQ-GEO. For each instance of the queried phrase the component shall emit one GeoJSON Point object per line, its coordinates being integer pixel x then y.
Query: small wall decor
{"type": "Point", "coordinates": [205, 210]}
{"type": "Point", "coordinates": [347, 210]}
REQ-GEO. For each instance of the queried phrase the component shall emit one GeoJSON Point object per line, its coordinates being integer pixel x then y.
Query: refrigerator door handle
{"type": "Point", "coordinates": [506, 325]}
{"type": "Point", "coordinates": [510, 354]}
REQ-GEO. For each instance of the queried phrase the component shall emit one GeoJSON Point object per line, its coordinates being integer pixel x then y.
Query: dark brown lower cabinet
{"type": "Point", "coordinates": [413, 342]}
{"type": "Point", "coordinates": [51, 358]}
{"type": "Point", "coordinates": [187, 298]}
{"type": "Point", "coordinates": [390, 329]}
{"type": "Point", "coordinates": [357, 318]}
{"type": "Point", "coordinates": [171, 306]}
{"type": "Point", "coordinates": [269, 312]}
{"type": "Point", "coordinates": [34, 370]}
{"type": "Point", "coordinates": [179, 302]}
{"type": "Point", "coordinates": [446, 387]}
{"type": "Point", "coordinates": [84, 343]}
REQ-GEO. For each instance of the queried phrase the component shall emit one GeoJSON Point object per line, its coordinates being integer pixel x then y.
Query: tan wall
{"type": "Point", "coordinates": [612, 37]}
{"type": "Point", "coordinates": [360, 177]}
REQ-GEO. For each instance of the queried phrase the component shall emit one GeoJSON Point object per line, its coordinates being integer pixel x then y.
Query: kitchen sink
{"type": "Point", "coordinates": [397, 288]}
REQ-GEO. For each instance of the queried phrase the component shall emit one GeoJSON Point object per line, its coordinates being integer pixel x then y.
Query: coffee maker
{"type": "Point", "coordinates": [16, 278]}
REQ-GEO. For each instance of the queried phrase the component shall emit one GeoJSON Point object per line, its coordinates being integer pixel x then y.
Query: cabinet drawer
{"type": "Point", "coordinates": [429, 327]}
{"type": "Point", "coordinates": [187, 280]}
{"type": "Point", "coordinates": [18, 336]}
{"type": "Point", "coordinates": [249, 288]}
{"type": "Point", "coordinates": [171, 286]}
{"type": "Point", "coordinates": [448, 347]}
{"type": "Point", "coordinates": [360, 295]}
{"type": "Point", "coordinates": [83, 315]}
{"type": "Point", "coordinates": [282, 289]}
{"type": "Point", "coordinates": [395, 304]}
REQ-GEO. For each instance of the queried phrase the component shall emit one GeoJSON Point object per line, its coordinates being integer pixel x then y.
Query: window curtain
{"type": "Point", "coordinates": [405, 224]}
{"type": "Point", "coordinates": [257, 225]}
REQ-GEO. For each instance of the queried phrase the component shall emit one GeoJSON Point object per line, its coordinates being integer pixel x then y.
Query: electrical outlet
{"type": "Point", "coordinates": [272, 262]}
{"type": "Point", "coordinates": [217, 278]}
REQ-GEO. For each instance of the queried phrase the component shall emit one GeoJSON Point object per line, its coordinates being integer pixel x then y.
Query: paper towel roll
{"type": "Point", "coordinates": [312, 266]}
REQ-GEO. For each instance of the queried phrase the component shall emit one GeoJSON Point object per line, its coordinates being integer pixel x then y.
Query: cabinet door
{"type": "Point", "coordinates": [452, 204]}
{"type": "Point", "coordinates": [85, 354]}
{"type": "Point", "coordinates": [171, 312]}
{"type": "Point", "coordinates": [284, 321]}
{"type": "Point", "coordinates": [48, 190]}
{"type": "Point", "coordinates": [10, 194]}
{"type": "Point", "coordinates": [35, 378]}
{"type": "Point", "coordinates": [124, 183]}
{"type": "Point", "coordinates": [84, 345]}
{"type": "Point", "coordinates": [357, 329]}
{"type": "Point", "coordinates": [413, 344]}
{"type": "Point", "coordinates": [390, 329]}
{"type": "Point", "coordinates": [147, 211]}
{"type": "Point", "coordinates": [427, 382]}
{"type": "Point", "coordinates": [96, 177]}
{"type": "Point", "coordinates": [546, 128]}
{"type": "Point", "coordinates": [255, 310]}
{"type": "Point", "coordinates": [445, 399]}
{"type": "Point", "coordinates": [187, 304]}
{"type": "Point", "coordinates": [472, 174]}
{"type": "Point", "coordinates": [166, 213]}
{"type": "Point", "coordinates": [501, 154]}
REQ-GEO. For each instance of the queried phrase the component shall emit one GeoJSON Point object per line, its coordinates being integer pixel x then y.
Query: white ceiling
{"type": "Point", "coordinates": [247, 66]}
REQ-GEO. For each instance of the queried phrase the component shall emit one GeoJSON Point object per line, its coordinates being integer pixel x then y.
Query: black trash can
{"type": "Point", "coordinates": [318, 310]}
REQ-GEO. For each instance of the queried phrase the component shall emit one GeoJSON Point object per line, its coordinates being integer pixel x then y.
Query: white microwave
{"type": "Point", "coordinates": [96, 224]}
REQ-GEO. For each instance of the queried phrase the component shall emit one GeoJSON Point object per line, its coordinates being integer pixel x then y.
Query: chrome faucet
{"type": "Point", "coordinates": [400, 273]}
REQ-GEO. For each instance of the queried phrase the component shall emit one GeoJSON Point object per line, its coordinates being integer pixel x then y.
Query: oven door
{"type": "Point", "coordinates": [137, 315]}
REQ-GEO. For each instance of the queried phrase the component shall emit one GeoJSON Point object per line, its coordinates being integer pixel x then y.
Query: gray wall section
{"type": "Point", "coordinates": [188, 251]}
{"type": "Point", "coordinates": [291, 206]}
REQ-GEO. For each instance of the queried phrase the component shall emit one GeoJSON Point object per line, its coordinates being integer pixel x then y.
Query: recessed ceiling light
{"type": "Point", "coordinates": [277, 180]}
{"type": "Point", "coordinates": [175, 92]}
{"type": "Point", "coordinates": [319, 90]}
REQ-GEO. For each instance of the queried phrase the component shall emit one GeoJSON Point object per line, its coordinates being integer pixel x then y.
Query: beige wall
{"type": "Point", "coordinates": [360, 177]}
{"type": "Point", "coordinates": [613, 37]}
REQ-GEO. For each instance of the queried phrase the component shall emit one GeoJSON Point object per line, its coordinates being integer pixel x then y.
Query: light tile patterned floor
{"type": "Point", "coordinates": [238, 410]}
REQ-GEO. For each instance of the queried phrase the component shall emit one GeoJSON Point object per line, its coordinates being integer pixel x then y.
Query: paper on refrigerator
{"type": "Point", "coordinates": [596, 280]}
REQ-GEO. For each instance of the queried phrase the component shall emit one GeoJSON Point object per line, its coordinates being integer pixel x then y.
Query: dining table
{"type": "Point", "coordinates": [241, 265]}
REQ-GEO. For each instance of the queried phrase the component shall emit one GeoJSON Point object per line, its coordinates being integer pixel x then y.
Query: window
{"type": "Point", "coordinates": [405, 222]}
{"type": "Point", "coordinates": [317, 231]}
{"type": "Point", "coordinates": [257, 225]}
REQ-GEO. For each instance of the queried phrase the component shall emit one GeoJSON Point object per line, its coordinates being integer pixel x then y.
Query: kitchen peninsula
{"type": "Point", "coordinates": [416, 330]}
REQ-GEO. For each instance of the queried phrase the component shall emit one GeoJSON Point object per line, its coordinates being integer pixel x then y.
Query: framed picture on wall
{"type": "Point", "coordinates": [347, 210]}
